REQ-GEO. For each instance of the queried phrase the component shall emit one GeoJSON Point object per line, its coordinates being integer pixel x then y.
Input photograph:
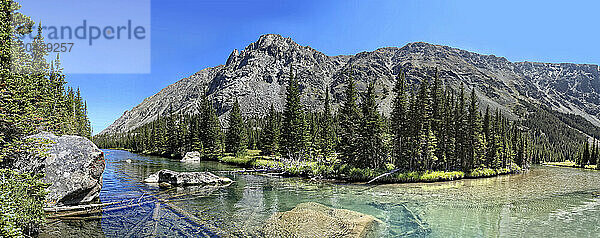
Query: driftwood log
{"type": "Point", "coordinates": [384, 175]}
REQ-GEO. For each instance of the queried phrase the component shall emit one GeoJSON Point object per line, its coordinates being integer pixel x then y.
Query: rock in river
{"type": "Point", "coordinates": [73, 168]}
{"type": "Point", "coordinates": [316, 220]}
{"type": "Point", "coordinates": [193, 156]}
{"type": "Point", "coordinates": [187, 178]}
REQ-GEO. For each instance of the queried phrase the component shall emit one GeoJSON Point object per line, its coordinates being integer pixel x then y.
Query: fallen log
{"type": "Point", "coordinates": [86, 218]}
{"type": "Point", "coordinates": [78, 207]}
{"type": "Point", "coordinates": [96, 210]}
{"type": "Point", "coordinates": [383, 175]}
{"type": "Point", "coordinates": [177, 210]}
{"type": "Point", "coordinates": [417, 220]}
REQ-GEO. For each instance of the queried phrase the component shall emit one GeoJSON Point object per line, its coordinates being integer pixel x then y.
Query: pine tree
{"type": "Point", "coordinates": [460, 128]}
{"type": "Point", "coordinates": [437, 104]}
{"type": "Point", "coordinates": [399, 124]}
{"type": "Point", "coordinates": [498, 146]}
{"type": "Point", "coordinates": [586, 156]}
{"type": "Point", "coordinates": [349, 124]}
{"type": "Point", "coordinates": [487, 140]}
{"type": "Point", "coordinates": [160, 136]}
{"type": "Point", "coordinates": [211, 135]}
{"type": "Point", "coordinates": [294, 125]}
{"type": "Point", "coordinates": [596, 156]}
{"type": "Point", "coordinates": [236, 134]}
{"type": "Point", "coordinates": [271, 133]}
{"type": "Point", "coordinates": [415, 150]}
{"type": "Point", "coordinates": [449, 156]}
{"type": "Point", "coordinates": [328, 141]}
{"type": "Point", "coordinates": [171, 148]}
{"type": "Point", "coordinates": [474, 141]}
{"type": "Point", "coordinates": [593, 152]}
{"type": "Point", "coordinates": [372, 151]}
{"type": "Point", "coordinates": [195, 135]}
{"type": "Point", "coordinates": [426, 139]}
{"type": "Point", "coordinates": [314, 132]}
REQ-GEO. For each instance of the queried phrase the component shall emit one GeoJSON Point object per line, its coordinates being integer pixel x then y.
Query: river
{"type": "Point", "coordinates": [545, 202]}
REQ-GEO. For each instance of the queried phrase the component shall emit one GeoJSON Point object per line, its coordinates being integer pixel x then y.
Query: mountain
{"type": "Point", "coordinates": [258, 76]}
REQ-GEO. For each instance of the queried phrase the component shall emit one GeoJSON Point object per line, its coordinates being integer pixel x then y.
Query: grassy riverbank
{"type": "Point", "coordinates": [335, 170]}
{"type": "Point", "coordinates": [569, 164]}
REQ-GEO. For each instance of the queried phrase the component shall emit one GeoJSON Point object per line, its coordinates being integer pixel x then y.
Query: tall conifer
{"type": "Point", "coordinates": [294, 125]}
{"type": "Point", "coordinates": [236, 139]}
{"type": "Point", "coordinates": [372, 151]}
{"type": "Point", "coordinates": [400, 124]}
{"type": "Point", "coordinates": [349, 123]}
{"type": "Point", "coordinates": [327, 133]}
{"type": "Point", "coordinates": [271, 133]}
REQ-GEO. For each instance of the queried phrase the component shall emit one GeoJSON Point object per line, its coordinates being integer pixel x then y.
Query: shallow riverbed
{"type": "Point", "coordinates": [545, 202]}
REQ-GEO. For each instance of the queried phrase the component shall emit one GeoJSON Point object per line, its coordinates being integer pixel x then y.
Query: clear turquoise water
{"type": "Point", "coordinates": [545, 202]}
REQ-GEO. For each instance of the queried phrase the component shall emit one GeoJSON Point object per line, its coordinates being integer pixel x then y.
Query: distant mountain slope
{"type": "Point", "coordinates": [258, 77]}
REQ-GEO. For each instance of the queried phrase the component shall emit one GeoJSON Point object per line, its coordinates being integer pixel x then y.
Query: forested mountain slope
{"type": "Point", "coordinates": [257, 76]}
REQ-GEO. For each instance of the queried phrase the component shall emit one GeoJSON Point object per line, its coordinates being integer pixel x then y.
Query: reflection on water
{"type": "Point", "coordinates": [546, 202]}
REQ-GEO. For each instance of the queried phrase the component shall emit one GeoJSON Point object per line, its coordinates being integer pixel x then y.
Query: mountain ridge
{"type": "Point", "coordinates": [258, 76]}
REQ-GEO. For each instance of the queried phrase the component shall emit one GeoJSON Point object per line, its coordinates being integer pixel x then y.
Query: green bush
{"type": "Point", "coordinates": [21, 203]}
{"type": "Point", "coordinates": [243, 161]}
{"type": "Point", "coordinates": [481, 172]}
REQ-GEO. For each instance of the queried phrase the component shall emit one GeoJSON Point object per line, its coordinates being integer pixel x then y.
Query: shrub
{"type": "Point", "coordinates": [243, 161]}
{"type": "Point", "coordinates": [481, 172]}
{"type": "Point", "coordinates": [21, 203]}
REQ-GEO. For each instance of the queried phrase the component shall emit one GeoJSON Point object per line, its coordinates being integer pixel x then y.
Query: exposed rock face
{"type": "Point", "coordinates": [187, 178]}
{"type": "Point", "coordinates": [73, 168]}
{"type": "Point", "coordinates": [315, 220]}
{"type": "Point", "coordinates": [193, 156]}
{"type": "Point", "coordinates": [258, 76]}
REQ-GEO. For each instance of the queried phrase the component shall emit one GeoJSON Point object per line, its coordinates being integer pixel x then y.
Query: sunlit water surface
{"type": "Point", "coordinates": [545, 202]}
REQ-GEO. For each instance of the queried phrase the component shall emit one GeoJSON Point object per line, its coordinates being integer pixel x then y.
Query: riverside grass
{"type": "Point", "coordinates": [334, 170]}
{"type": "Point", "coordinates": [569, 164]}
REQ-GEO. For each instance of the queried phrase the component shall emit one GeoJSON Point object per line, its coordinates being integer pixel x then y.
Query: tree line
{"type": "Point", "coordinates": [431, 127]}
{"type": "Point", "coordinates": [589, 155]}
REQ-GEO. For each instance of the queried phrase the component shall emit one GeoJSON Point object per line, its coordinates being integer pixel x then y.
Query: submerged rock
{"type": "Point", "coordinates": [316, 220]}
{"type": "Point", "coordinates": [193, 156]}
{"type": "Point", "coordinates": [187, 178]}
{"type": "Point", "coordinates": [73, 168]}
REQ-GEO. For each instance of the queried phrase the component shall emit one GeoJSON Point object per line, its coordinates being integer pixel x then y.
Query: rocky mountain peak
{"type": "Point", "coordinates": [274, 44]}
{"type": "Point", "coordinates": [273, 47]}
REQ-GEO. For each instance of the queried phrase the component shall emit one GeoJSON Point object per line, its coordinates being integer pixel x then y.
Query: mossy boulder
{"type": "Point", "coordinates": [315, 220]}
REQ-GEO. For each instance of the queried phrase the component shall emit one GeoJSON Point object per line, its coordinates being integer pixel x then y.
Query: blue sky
{"type": "Point", "coordinates": [189, 35]}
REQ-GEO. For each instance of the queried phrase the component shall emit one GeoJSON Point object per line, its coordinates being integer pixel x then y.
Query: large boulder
{"type": "Point", "coordinates": [73, 167]}
{"type": "Point", "coordinates": [193, 156]}
{"type": "Point", "coordinates": [187, 178]}
{"type": "Point", "coordinates": [316, 220]}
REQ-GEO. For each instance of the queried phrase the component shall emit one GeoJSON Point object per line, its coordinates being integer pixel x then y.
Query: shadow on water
{"type": "Point", "coordinates": [547, 202]}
